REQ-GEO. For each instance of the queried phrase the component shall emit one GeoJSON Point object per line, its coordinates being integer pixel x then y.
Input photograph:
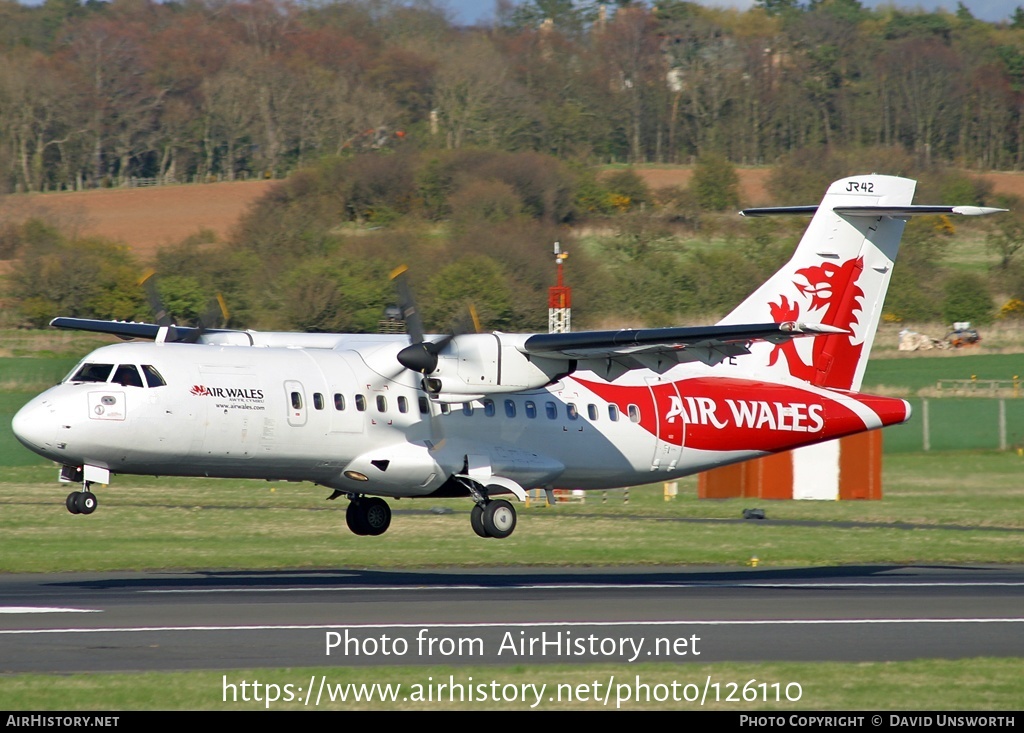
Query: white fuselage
{"type": "Point", "coordinates": [325, 414]}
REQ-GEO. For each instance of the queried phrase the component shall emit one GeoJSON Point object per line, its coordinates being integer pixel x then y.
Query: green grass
{"type": "Point", "coordinates": [944, 508]}
{"type": "Point", "coordinates": [33, 374]}
{"type": "Point", "coordinates": [988, 684]}
{"type": "Point", "coordinates": [923, 372]}
{"type": "Point", "coordinates": [50, 343]}
{"type": "Point", "coordinates": [957, 424]}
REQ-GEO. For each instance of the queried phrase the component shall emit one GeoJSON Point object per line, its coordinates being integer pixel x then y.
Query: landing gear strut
{"type": "Point", "coordinates": [368, 515]}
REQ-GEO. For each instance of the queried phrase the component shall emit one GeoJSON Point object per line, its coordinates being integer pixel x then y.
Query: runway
{"type": "Point", "coordinates": [224, 620]}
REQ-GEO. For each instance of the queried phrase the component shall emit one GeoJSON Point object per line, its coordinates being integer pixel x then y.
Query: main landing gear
{"type": "Point", "coordinates": [368, 515]}
{"type": "Point", "coordinates": [493, 518]}
{"type": "Point", "coordinates": [81, 502]}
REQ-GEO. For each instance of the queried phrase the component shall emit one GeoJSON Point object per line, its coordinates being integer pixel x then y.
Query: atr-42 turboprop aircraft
{"type": "Point", "coordinates": [482, 414]}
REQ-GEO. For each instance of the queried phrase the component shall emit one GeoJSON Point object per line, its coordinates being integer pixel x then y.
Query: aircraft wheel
{"type": "Point", "coordinates": [499, 518]}
{"type": "Point", "coordinates": [72, 502]}
{"type": "Point", "coordinates": [355, 519]}
{"type": "Point", "coordinates": [86, 502]}
{"type": "Point", "coordinates": [476, 518]}
{"type": "Point", "coordinates": [376, 516]}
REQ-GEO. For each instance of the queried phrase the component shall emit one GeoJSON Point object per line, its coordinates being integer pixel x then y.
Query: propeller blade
{"type": "Point", "coordinates": [410, 313]}
{"type": "Point", "coordinates": [156, 304]}
{"type": "Point", "coordinates": [421, 355]}
{"type": "Point", "coordinates": [467, 322]}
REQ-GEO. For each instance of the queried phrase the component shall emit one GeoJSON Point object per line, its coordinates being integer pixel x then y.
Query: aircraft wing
{"type": "Point", "coordinates": [133, 330]}
{"type": "Point", "coordinates": [611, 353]}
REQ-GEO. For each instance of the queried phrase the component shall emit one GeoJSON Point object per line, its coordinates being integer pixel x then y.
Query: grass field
{"type": "Point", "coordinates": [951, 507]}
{"type": "Point", "coordinates": [971, 684]}
{"type": "Point", "coordinates": [911, 375]}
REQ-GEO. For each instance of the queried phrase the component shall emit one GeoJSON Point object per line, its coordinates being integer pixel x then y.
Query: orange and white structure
{"type": "Point", "coordinates": [560, 299]}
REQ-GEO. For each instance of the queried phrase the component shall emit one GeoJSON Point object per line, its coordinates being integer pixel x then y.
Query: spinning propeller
{"type": "Point", "coordinates": [215, 316]}
{"type": "Point", "coordinates": [421, 355]}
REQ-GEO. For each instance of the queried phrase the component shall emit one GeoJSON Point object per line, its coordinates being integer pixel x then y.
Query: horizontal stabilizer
{"type": "Point", "coordinates": [780, 210]}
{"type": "Point", "coordinates": [872, 211]}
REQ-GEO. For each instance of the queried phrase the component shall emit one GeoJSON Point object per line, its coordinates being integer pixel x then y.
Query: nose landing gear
{"type": "Point", "coordinates": [81, 502]}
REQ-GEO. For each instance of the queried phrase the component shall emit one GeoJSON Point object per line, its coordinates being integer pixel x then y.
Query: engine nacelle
{"type": "Point", "coordinates": [476, 364]}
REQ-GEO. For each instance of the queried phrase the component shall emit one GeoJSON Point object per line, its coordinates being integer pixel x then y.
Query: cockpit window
{"type": "Point", "coordinates": [93, 373]}
{"type": "Point", "coordinates": [127, 375]}
{"type": "Point", "coordinates": [153, 377]}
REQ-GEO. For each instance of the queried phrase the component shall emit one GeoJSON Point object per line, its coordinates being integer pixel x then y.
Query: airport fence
{"type": "Point", "coordinates": [940, 424]}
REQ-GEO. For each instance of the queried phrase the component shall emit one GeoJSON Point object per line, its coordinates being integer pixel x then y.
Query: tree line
{"type": "Point", "coordinates": [94, 93]}
{"type": "Point", "coordinates": [476, 227]}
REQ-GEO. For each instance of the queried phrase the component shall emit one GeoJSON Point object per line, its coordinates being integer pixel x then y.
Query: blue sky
{"type": "Point", "coordinates": [481, 11]}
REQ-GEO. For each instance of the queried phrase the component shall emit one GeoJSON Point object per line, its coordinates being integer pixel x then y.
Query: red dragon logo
{"type": "Point", "coordinates": [832, 288]}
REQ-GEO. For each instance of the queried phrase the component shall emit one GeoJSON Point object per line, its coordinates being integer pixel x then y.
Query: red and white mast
{"type": "Point", "coordinates": [559, 299]}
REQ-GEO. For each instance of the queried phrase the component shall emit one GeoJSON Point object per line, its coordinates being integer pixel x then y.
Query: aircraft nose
{"type": "Point", "coordinates": [33, 425]}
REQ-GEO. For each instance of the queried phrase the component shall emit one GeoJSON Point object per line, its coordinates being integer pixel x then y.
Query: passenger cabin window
{"type": "Point", "coordinates": [153, 377]}
{"type": "Point", "coordinates": [531, 409]}
{"type": "Point", "coordinates": [361, 403]}
{"type": "Point", "coordinates": [592, 412]}
{"type": "Point", "coordinates": [339, 401]}
{"type": "Point", "coordinates": [382, 403]}
{"type": "Point", "coordinates": [93, 373]}
{"type": "Point", "coordinates": [318, 401]}
{"type": "Point", "coordinates": [510, 408]}
{"type": "Point", "coordinates": [572, 412]}
{"type": "Point", "coordinates": [551, 410]}
{"type": "Point", "coordinates": [424, 405]}
{"type": "Point", "coordinates": [613, 412]}
{"type": "Point", "coordinates": [634, 413]}
{"type": "Point", "coordinates": [446, 409]}
{"type": "Point", "coordinates": [403, 404]}
{"type": "Point", "coordinates": [127, 376]}
{"type": "Point", "coordinates": [467, 409]}
{"type": "Point", "coordinates": [296, 400]}
{"type": "Point", "coordinates": [489, 408]}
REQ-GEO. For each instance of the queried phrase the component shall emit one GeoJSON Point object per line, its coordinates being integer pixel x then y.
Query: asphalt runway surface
{"type": "Point", "coordinates": [505, 616]}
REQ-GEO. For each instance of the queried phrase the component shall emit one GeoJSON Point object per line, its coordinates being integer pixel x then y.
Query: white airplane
{"type": "Point", "coordinates": [484, 414]}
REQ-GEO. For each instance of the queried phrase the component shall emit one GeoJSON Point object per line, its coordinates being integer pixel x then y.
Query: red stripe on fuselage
{"type": "Point", "coordinates": [736, 414]}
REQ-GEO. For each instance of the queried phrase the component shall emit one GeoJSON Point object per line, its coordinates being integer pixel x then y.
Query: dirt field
{"type": "Point", "coordinates": [149, 218]}
{"type": "Point", "coordinates": [752, 181]}
{"type": "Point", "coordinates": [1006, 183]}
{"type": "Point", "coordinates": [143, 218]}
